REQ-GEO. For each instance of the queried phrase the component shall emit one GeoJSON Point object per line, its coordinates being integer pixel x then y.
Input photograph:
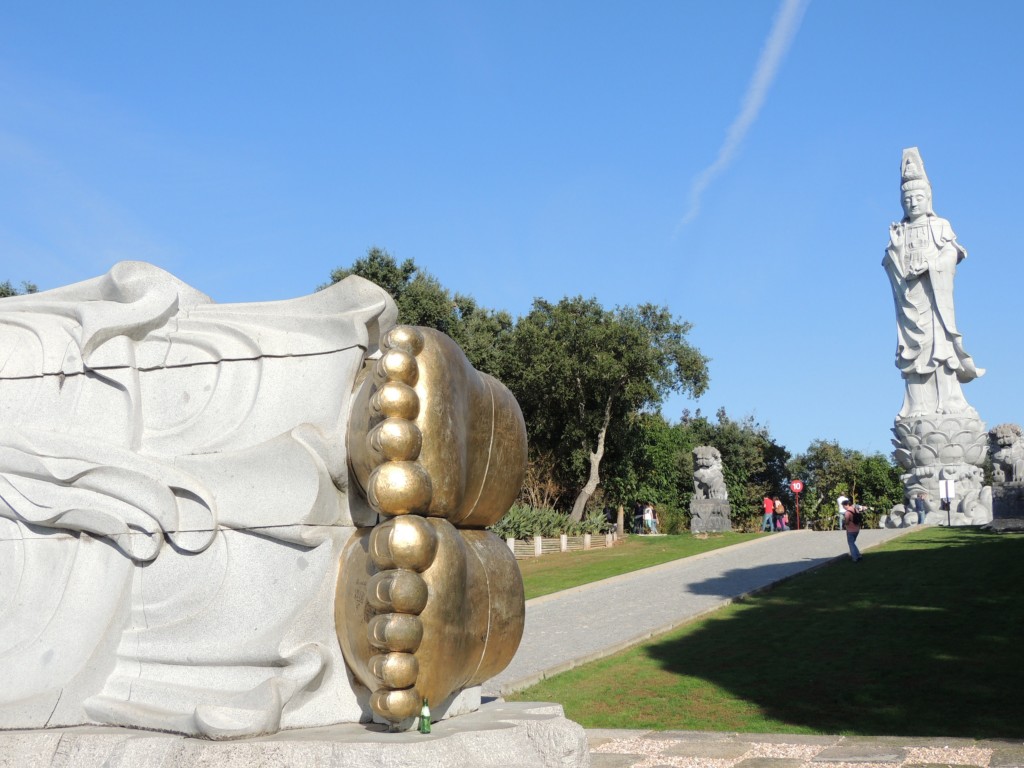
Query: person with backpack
{"type": "Point", "coordinates": [853, 516]}
{"type": "Point", "coordinates": [780, 515]}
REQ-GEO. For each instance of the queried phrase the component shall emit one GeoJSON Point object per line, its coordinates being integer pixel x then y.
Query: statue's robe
{"type": "Point", "coordinates": [928, 341]}
{"type": "Point", "coordinates": [173, 503]}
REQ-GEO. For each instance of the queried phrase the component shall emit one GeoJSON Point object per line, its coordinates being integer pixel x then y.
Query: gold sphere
{"type": "Point", "coordinates": [394, 399]}
{"type": "Point", "coordinates": [408, 542]}
{"type": "Point", "coordinates": [399, 488]}
{"type": "Point", "coordinates": [395, 670]}
{"type": "Point", "coordinates": [399, 590]}
{"type": "Point", "coordinates": [396, 705]}
{"type": "Point", "coordinates": [396, 365]}
{"type": "Point", "coordinates": [396, 440]}
{"type": "Point", "coordinates": [404, 337]}
{"type": "Point", "coordinates": [395, 632]}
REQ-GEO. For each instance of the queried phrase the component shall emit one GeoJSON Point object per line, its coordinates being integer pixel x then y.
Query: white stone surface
{"type": "Point", "coordinates": [939, 436]}
{"type": "Point", "coordinates": [173, 503]}
{"type": "Point", "coordinates": [505, 735]}
{"type": "Point", "coordinates": [921, 261]}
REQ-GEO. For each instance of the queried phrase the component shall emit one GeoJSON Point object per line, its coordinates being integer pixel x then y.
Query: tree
{"type": "Point", "coordinates": [649, 459]}
{"type": "Point", "coordinates": [480, 332]}
{"type": "Point", "coordinates": [420, 297]}
{"type": "Point", "coordinates": [753, 464]}
{"type": "Point", "coordinates": [829, 471]}
{"type": "Point", "coordinates": [579, 371]}
{"type": "Point", "coordinates": [7, 289]}
{"type": "Point", "coordinates": [422, 300]}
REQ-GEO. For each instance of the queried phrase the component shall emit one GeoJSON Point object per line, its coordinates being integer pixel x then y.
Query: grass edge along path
{"type": "Point", "coordinates": [564, 570]}
{"type": "Point", "coordinates": [917, 640]}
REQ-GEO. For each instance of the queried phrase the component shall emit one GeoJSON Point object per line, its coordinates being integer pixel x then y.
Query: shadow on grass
{"type": "Point", "coordinates": [920, 639]}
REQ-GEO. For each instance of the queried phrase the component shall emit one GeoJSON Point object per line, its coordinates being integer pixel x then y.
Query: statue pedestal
{"type": "Point", "coordinates": [710, 516]}
{"type": "Point", "coordinates": [1008, 507]}
{"type": "Point", "coordinates": [509, 735]}
{"type": "Point", "coordinates": [945, 447]}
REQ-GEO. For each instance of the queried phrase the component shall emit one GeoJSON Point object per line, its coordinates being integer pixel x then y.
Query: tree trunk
{"type": "Point", "coordinates": [595, 466]}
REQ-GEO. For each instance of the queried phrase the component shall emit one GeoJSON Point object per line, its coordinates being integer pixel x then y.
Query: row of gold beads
{"type": "Point", "coordinates": [405, 546]}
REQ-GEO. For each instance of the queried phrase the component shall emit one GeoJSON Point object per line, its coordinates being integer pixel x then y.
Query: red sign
{"type": "Point", "coordinates": [796, 486]}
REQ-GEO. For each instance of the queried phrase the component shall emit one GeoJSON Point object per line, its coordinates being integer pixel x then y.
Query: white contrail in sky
{"type": "Point", "coordinates": [779, 39]}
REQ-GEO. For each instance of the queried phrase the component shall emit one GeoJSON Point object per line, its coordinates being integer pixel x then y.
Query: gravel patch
{"type": "Point", "coordinates": [648, 752]}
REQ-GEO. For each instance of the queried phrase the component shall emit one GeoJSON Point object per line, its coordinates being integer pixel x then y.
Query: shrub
{"type": "Point", "coordinates": [673, 521]}
{"type": "Point", "coordinates": [524, 522]}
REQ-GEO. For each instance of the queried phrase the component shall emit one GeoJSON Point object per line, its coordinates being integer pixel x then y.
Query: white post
{"type": "Point", "coordinates": [511, 544]}
{"type": "Point", "coordinates": [563, 543]}
{"type": "Point", "coordinates": [538, 546]}
{"type": "Point", "coordinates": [586, 541]}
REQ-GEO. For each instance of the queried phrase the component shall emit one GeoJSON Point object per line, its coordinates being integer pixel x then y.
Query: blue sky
{"type": "Point", "coordinates": [539, 149]}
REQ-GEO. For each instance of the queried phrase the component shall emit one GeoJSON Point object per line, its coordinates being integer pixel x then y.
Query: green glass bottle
{"type": "Point", "coordinates": [425, 717]}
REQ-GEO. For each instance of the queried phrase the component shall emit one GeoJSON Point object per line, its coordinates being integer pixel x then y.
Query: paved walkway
{"type": "Point", "coordinates": [596, 620]}
{"type": "Point", "coordinates": [579, 625]}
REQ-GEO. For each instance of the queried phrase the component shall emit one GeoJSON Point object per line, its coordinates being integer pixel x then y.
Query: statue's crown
{"type": "Point", "coordinates": [912, 169]}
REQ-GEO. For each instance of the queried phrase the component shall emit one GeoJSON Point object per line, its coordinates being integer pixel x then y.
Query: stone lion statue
{"type": "Point", "coordinates": [226, 520]}
{"type": "Point", "coordinates": [1007, 449]}
{"type": "Point", "coordinates": [708, 481]}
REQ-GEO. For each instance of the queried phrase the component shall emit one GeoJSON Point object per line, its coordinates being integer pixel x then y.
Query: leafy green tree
{"type": "Point", "coordinates": [480, 332]}
{"type": "Point", "coordinates": [753, 464]}
{"type": "Point", "coordinates": [878, 483]}
{"type": "Point", "coordinates": [579, 370]}
{"type": "Point", "coordinates": [8, 289]}
{"type": "Point", "coordinates": [648, 460]}
{"type": "Point", "coordinates": [422, 300]}
{"type": "Point", "coordinates": [828, 471]}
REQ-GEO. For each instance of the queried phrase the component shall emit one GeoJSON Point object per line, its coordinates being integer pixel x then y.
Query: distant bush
{"type": "Point", "coordinates": [524, 522]}
{"type": "Point", "coordinates": [673, 521]}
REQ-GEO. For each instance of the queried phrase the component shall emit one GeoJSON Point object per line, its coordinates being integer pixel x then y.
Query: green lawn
{"type": "Point", "coordinates": [920, 639]}
{"type": "Point", "coordinates": [553, 573]}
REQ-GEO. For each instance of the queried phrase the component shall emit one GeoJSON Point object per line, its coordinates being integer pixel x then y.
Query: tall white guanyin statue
{"type": "Point", "coordinates": [225, 520]}
{"type": "Point", "coordinates": [939, 436]}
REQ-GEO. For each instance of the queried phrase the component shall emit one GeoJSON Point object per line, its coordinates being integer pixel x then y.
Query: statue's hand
{"type": "Point", "coordinates": [918, 267]}
{"type": "Point", "coordinates": [896, 234]}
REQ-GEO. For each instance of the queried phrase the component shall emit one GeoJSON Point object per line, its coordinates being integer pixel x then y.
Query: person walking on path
{"type": "Point", "coordinates": [841, 511]}
{"type": "Point", "coordinates": [768, 523]}
{"type": "Point", "coordinates": [852, 518]}
{"type": "Point", "coordinates": [781, 518]}
{"type": "Point", "coordinates": [650, 519]}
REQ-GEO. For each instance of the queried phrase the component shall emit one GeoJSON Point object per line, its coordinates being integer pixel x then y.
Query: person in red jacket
{"type": "Point", "coordinates": [768, 523]}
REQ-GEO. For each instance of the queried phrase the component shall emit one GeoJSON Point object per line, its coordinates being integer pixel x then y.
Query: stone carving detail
{"type": "Point", "coordinates": [709, 508]}
{"type": "Point", "coordinates": [1007, 453]}
{"type": "Point", "coordinates": [1007, 450]}
{"type": "Point", "coordinates": [939, 436]}
{"type": "Point", "coordinates": [945, 448]}
{"type": "Point", "coordinates": [186, 490]}
{"type": "Point", "coordinates": [708, 480]}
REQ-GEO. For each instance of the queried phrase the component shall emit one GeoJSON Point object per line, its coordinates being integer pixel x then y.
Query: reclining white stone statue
{"type": "Point", "coordinates": [180, 485]}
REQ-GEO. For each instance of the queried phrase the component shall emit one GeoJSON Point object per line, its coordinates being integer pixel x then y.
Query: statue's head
{"type": "Point", "coordinates": [916, 199]}
{"type": "Point", "coordinates": [915, 190]}
{"type": "Point", "coordinates": [1004, 435]}
{"type": "Point", "coordinates": [706, 456]}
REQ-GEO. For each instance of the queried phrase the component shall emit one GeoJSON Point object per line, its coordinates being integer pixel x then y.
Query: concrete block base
{"type": "Point", "coordinates": [510, 735]}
